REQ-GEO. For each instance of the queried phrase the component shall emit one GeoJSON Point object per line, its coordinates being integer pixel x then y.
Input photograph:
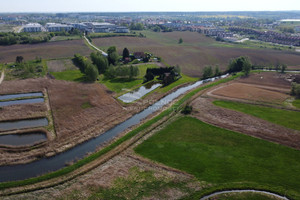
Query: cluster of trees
{"type": "Point", "coordinates": [160, 28]}
{"type": "Point", "coordinates": [86, 67]}
{"type": "Point", "coordinates": [208, 72]}
{"type": "Point", "coordinates": [239, 64]}
{"type": "Point", "coordinates": [137, 26]}
{"type": "Point", "coordinates": [122, 72]}
{"type": "Point", "coordinates": [287, 29]}
{"type": "Point", "coordinates": [22, 38]}
{"type": "Point", "coordinates": [166, 74]}
{"type": "Point", "coordinates": [99, 64]}
{"type": "Point", "coordinates": [27, 38]}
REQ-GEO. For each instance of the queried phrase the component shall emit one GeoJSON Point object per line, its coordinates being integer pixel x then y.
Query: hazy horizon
{"type": "Point", "coordinates": [54, 6]}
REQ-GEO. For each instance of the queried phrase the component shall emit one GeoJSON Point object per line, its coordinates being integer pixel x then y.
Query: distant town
{"type": "Point", "coordinates": [230, 27]}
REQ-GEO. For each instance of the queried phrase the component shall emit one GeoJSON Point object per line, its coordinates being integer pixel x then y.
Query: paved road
{"type": "Point", "coordinates": [103, 53]}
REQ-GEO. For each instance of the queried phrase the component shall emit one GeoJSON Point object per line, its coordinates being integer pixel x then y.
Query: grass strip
{"type": "Point", "coordinates": [287, 118]}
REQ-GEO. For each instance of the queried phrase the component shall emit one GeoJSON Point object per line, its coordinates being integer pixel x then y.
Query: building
{"type": "Point", "coordinates": [32, 27]}
{"type": "Point", "coordinates": [121, 29]}
{"type": "Point", "coordinates": [53, 27]}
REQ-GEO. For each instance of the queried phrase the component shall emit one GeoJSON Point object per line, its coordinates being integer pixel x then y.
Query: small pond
{"type": "Point", "coordinates": [23, 101]}
{"type": "Point", "coordinates": [20, 124]}
{"type": "Point", "coordinates": [139, 92]}
{"type": "Point", "coordinates": [22, 95]}
{"type": "Point", "coordinates": [23, 139]}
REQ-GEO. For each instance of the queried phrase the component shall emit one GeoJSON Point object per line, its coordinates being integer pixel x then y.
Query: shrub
{"type": "Point", "coordinates": [187, 110]}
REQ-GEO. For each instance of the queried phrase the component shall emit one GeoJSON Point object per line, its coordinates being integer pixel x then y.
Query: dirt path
{"type": "Point", "coordinates": [211, 196]}
{"type": "Point", "coordinates": [2, 76]}
{"type": "Point", "coordinates": [247, 124]}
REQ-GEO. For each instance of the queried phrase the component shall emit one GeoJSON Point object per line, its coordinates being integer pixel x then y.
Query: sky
{"type": "Point", "coordinates": [145, 5]}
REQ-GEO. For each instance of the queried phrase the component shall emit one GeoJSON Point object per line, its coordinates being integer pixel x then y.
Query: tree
{"type": "Point", "coordinates": [19, 59]}
{"type": "Point", "coordinates": [100, 61]}
{"type": "Point", "coordinates": [91, 72]}
{"type": "Point", "coordinates": [113, 56]}
{"type": "Point", "coordinates": [295, 90]}
{"type": "Point", "coordinates": [149, 76]}
{"type": "Point", "coordinates": [283, 68]}
{"type": "Point", "coordinates": [207, 72]}
{"type": "Point", "coordinates": [217, 71]}
{"type": "Point", "coordinates": [125, 53]}
{"type": "Point", "coordinates": [180, 41]}
{"type": "Point", "coordinates": [242, 63]}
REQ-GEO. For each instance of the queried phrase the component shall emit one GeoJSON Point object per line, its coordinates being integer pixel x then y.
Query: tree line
{"type": "Point", "coordinates": [99, 64]}
{"type": "Point", "coordinates": [28, 38]}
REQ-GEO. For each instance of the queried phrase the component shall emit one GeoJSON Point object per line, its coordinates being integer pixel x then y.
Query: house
{"type": "Point", "coordinates": [32, 27]}
{"type": "Point", "coordinates": [139, 55]}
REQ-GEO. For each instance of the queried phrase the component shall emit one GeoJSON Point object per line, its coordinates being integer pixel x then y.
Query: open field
{"type": "Point", "coordinates": [196, 51]}
{"type": "Point", "coordinates": [68, 101]}
{"type": "Point", "coordinates": [289, 119]}
{"type": "Point", "coordinates": [60, 65]}
{"type": "Point", "coordinates": [223, 157]}
{"type": "Point", "coordinates": [252, 93]}
{"type": "Point", "coordinates": [263, 87]}
{"type": "Point", "coordinates": [61, 49]}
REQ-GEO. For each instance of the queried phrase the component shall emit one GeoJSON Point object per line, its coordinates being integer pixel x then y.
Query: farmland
{"type": "Point", "coordinates": [61, 49]}
{"type": "Point", "coordinates": [222, 157]}
{"type": "Point", "coordinates": [196, 51]}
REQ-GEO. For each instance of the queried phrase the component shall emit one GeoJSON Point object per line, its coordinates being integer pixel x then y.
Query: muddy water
{"type": "Point", "coordinates": [21, 124]}
{"type": "Point", "coordinates": [45, 165]}
{"type": "Point", "coordinates": [23, 101]}
{"type": "Point", "coordinates": [22, 139]}
{"type": "Point", "coordinates": [138, 93]}
{"type": "Point", "coordinates": [14, 96]}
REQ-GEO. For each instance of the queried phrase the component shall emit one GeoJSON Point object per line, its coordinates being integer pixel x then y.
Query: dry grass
{"type": "Point", "coordinates": [60, 65]}
{"type": "Point", "coordinates": [252, 93]}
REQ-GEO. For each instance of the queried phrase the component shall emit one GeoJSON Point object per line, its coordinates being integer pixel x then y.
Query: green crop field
{"type": "Point", "coordinates": [69, 75]}
{"type": "Point", "coordinates": [289, 119]}
{"type": "Point", "coordinates": [224, 158]}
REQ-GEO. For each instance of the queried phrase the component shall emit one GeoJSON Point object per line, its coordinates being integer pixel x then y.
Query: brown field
{"type": "Point", "coordinates": [268, 90]}
{"type": "Point", "coordinates": [80, 112]}
{"type": "Point", "coordinates": [196, 51]}
{"type": "Point", "coordinates": [252, 93]}
{"type": "Point", "coordinates": [266, 87]}
{"type": "Point", "coordinates": [47, 50]}
{"type": "Point", "coordinates": [73, 122]}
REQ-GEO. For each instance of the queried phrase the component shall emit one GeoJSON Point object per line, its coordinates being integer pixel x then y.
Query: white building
{"type": "Point", "coordinates": [53, 27]}
{"type": "Point", "coordinates": [32, 27]}
{"type": "Point", "coordinates": [121, 29]}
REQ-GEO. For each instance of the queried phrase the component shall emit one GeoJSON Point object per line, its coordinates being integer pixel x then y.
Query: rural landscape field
{"type": "Point", "coordinates": [102, 104]}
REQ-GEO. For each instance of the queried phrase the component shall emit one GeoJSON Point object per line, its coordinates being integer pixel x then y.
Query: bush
{"type": "Point", "coordinates": [295, 90]}
{"type": "Point", "coordinates": [187, 110]}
